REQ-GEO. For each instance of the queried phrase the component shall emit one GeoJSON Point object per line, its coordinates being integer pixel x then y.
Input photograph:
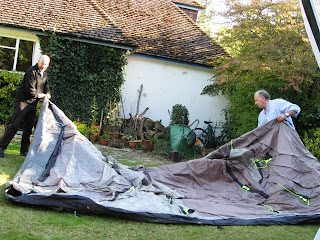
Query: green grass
{"type": "Point", "coordinates": [18, 221]}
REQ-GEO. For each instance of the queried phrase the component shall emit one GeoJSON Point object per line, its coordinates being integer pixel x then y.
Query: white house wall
{"type": "Point", "coordinates": [166, 84]}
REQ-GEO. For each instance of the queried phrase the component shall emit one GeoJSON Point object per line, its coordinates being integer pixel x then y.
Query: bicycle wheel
{"type": "Point", "coordinates": [202, 135]}
{"type": "Point", "coordinates": [191, 139]}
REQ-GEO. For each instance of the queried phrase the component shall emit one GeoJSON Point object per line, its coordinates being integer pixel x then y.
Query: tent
{"type": "Point", "coordinates": [264, 177]}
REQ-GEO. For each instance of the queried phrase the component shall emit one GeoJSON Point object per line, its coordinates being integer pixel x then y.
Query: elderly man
{"type": "Point", "coordinates": [277, 108]}
{"type": "Point", "coordinates": [33, 87]}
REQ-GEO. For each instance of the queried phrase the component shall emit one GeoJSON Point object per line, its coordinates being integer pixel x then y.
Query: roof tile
{"type": "Point", "coordinates": [156, 27]}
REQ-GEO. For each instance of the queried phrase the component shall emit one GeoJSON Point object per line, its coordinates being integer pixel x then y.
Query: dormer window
{"type": "Point", "coordinates": [191, 10]}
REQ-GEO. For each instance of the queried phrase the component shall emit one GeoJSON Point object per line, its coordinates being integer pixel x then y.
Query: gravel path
{"type": "Point", "coordinates": [132, 157]}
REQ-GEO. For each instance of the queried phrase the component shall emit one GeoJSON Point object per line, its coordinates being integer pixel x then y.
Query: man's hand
{"type": "Point", "coordinates": [42, 95]}
{"type": "Point", "coordinates": [281, 117]}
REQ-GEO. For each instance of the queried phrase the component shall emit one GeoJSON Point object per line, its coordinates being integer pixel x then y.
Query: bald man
{"type": "Point", "coordinates": [33, 88]}
{"type": "Point", "coordinates": [279, 109]}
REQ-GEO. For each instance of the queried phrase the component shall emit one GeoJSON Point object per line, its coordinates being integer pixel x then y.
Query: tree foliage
{"type": "Point", "coordinates": [81, 74]}
{"type": "Point", "coordinates": [268, 50]}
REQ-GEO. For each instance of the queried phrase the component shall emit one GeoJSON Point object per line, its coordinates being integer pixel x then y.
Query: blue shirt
{"type": "Point", "coordinates": [275, 108]}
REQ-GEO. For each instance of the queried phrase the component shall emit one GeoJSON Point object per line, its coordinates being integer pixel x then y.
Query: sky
{"type": "Point", "coordinates": [219, 6]}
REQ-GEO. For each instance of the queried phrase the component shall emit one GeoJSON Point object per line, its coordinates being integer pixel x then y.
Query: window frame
{"type": "Point", "coordinates": [16, 52]}
{"type": "Point", "coordinates": [18, 36]}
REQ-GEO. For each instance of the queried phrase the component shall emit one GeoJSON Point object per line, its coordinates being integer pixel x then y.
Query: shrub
{"type": "Point", "coordinates": [154, 139]}
{"type": "Point", "coordinates": [163, 146]}
{"type": "Point", "coordinates": [311, 140]}
{"type": "Point", "coordinates": [179, 115]}
{"type": "Point", "coordinates": [9, 83]}
{"type": "Point", "coordinates": [82, 128]}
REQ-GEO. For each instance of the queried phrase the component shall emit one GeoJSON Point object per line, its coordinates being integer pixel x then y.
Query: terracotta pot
{"type": "Point", "coordinates": [146, 145]}
{"type": "Point", "coordinates": [126, 143]}
{"type": "Point", "coordinates": [92, 138]}
{"type": "Point", "coordinates": [104, 142]}
{"type": "Point", "coordinates": [133, 144]}
{"type": "Point", "coordinates": [113, 135]}
{"type": "Point", "coordinates": [121, 136]}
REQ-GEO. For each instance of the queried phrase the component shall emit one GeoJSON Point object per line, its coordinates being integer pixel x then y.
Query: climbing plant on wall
{"type": "Point", "coordinates": [80, 72]}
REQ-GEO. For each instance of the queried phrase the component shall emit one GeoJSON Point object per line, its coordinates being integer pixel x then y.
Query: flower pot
{"type": "Point", "coordinates": [126, 143]}
{"type": "Point", "coordinates": [133, 144]}
{"type": "Point", "coordinates": [113, 135]}
{"type": "Point", "coordinates": [104, 142]}
{"type": "Point", "coordinates": [121, 136]}
{"type": "Point", "coordinates": [92, 138]}
{"type": "Point", "coordinates": [146, 145]}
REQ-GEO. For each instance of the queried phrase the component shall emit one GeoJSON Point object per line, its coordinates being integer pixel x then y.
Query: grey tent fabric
{"type": "Point", "coordinates": [264, 177]}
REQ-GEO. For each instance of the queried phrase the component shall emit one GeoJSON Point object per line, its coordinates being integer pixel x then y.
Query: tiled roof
{"type": "Point", "coordinates": [156, 27]}
{"type": "Point", "coordinates": [79, 18]}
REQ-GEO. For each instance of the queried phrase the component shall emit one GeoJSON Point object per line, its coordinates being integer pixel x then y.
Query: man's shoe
{"type": "Point", "coordinates": [1, 153]}
{"type": "Point", "coordinates": [23, 154]}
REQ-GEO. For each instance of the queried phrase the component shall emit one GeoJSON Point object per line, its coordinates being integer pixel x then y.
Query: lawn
{"type": "Point", "coordinates": [19, 221]}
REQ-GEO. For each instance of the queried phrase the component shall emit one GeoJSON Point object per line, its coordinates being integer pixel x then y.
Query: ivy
{"type": "Point", "coordinates": [81, 72]}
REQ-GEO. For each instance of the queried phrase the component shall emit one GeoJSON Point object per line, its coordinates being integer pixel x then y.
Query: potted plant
{"type": "Point", "coordinates": [114, 118]}
{"type": "Point", "coordinates": [146, 145]}
{"type": "Point", "coordinates": [132, 142]}
{"type": "Point", "coordinates": [126, 139]}
{"type": "Point", "coordinates": [113, 135]}
{"type": "Point", "coordinates": [104, 139]}
{"type": "Point", "coordinates": [131, 136]}
{"type": "Point", "coordinates": [121, 136]}
{"type": "Point", "coordinates": [93, 132]}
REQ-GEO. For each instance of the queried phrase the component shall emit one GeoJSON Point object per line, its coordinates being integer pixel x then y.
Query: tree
{"type": "Point", "coordinates": [268, 50]}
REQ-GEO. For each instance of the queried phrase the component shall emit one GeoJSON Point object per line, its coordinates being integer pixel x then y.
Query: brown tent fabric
{"type": "Point", "coordinates": [289, 188]}
{"type": "Point", "coordinates": [264, 177]}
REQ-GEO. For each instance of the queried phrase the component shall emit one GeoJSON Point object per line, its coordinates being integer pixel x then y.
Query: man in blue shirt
{"type": "Point", "coordinates": [277, 108]}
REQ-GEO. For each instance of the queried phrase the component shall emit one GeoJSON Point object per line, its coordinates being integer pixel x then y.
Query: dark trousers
{"type": "Point", "coordinates": [22, 113]}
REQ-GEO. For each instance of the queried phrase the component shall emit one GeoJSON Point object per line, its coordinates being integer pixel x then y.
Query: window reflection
{"type": "Point", "coordinates": [8, 51]}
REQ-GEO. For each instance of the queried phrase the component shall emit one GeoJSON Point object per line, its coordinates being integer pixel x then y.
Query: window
{"type": "Point", "coordinates": [15, 54]}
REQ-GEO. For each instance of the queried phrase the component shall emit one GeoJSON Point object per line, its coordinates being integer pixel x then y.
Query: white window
{"type": "Point", "coordinates": [15, 54]}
